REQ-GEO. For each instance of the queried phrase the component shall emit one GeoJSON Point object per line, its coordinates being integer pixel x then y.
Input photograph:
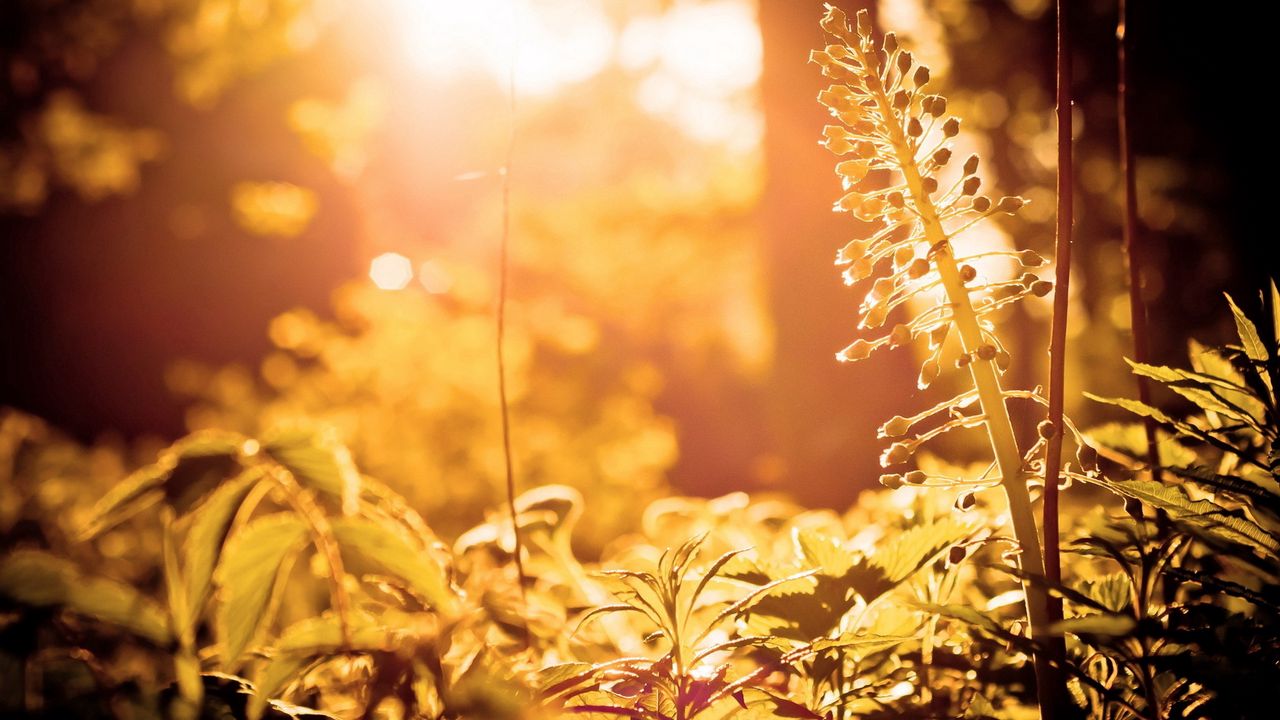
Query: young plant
{"type": "Point", "coordinates": [891, 127]}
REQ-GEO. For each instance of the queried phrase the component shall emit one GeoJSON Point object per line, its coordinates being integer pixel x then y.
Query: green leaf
{"type": "Point", "coordinates": [861, 642]}
{"type": "Point", "coordinates": [316, 459]}
{"type": "Point", "coordinates": [1211, 520]}
{"type": "Point", "coordinates": [383, 547]}
{"type": "Point", "coordinates": [822, 552]}
{"type": "Point", "coordinates": [39, 579]}
{"type": "Point", "coordinates": [252, 563]}
{"type": "Point", "coordinates": [1198, 391]}
{"type": "Point", "coordinates": [1253, 346]}
{"type": "Point", "coordinates": [1099, 624]}
{"type": "Point", "coordinates": [181, 475]}
{"type": "Point", "coordinates": [1113, 591]}
{"type": "Point", "coordinates": [204, 540]}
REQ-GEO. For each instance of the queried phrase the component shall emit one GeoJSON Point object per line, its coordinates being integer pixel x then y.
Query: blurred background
{"type": "Point", "coordinates": [238, 213]}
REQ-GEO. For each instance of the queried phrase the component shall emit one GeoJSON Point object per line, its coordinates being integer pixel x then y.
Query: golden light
{"type": "Point", "coordinates": [391, 271]}
{"type": "Point", "coordinates": [551, 43]}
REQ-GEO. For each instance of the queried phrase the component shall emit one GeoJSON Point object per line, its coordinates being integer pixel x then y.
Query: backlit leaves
{"type": "Point", "coordinates": [250, 569]}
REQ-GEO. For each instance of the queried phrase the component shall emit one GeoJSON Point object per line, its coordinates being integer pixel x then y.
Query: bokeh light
{"type": "Point", "coordinates": [391, 271]}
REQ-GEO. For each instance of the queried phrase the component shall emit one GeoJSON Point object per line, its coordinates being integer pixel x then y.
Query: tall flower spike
{"type": "Point", "coordinates": [915, 216]}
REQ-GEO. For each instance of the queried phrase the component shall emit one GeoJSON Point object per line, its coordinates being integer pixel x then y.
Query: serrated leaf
{"type": "Point", "coordinates": [823, 552]}
{"type": "Point", "coordinates": [1131, 439]}
{"type": "Point", "coordinates": [1212, 520]}
{"type": "Point", "coordinates": [181, 475]}
{"type": "Point", "coordinates": [1199, 391]}
{"type": "Point", "coordinates": [204, 540]}
{"type": "Point", "coordinates": [1253, 346]}
{"type": "Point", "coordinates": [389, 550]}
{"type": "Point", "coordinates": [253, 561]}
{"type": "Point", "coordinates": [318, 460]}
{"type": "Point", "coordinates": [1099, 624]}
{"type": "Point", "coordinates": [39, 579]}
{"type": "Point", "coordinates": [1113, 591]}
{"type": "Point", "coordinates": [864, 643]}
{"type": "Point", "coordinates": [902, 555]}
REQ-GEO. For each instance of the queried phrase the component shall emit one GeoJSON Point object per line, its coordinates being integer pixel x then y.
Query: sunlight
{"type": "Point", "coordinates": [560, 42]}
{"type": "Point", "coordinates": [391, 271]}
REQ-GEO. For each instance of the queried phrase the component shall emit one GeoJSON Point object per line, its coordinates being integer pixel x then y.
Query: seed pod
{"type": "Point", "coordinates": [982, 203]}
{"type": "Point", "coordinates": [869, 209]}
{"type": "Point", "coordinates": [857, 350]}
{"type": "Point", "coordinates": [860, 270]}
{"type": "Point", "coordinates": [903, 255]}
{"type": "Point", "coordinates": [875, 316]}
{"type": "Point", "coordinates": [1041, 288]}
{"type": "Point", "coordinates": [882, 287]}
{"type": "Point", "coordinates": [938, 106]}
{"type": "Point", "coordinates": [852, 170]}
{"type": "Point", "coordinates": [965, 501]}
{"type": "Point", "coordinates": [942, 156]}
{"type": "Point", "coordinates": [914, 128]}
{"type": "Point", "coordinates": [926, 104]}
{"type": "Point", "coordinates": [951, 127]}
{"type": "Point", "coordinates": [890, 42]}
{"type": "Point", "coordinates": [851, 251]}
{"type": "Point", "coordinates": [820, 57]}
{"type": "Point", "coordinates": [895, 454]}
{"type": "Point", "coordinates": [896, 426]}
{"type": "Point", "coordinates": [930, 185]}
{"type": "Point", "coordinates": [896, 199]}
{"type": "Point", "coordinates": [901, 99]}
{"type": "Point", "coordinates": [1003, 360]}
{"type": "Point", "coordinates": [1030, 258]}
{"type": "Point", "coordinates": [929, 372]}
{"type": "Point", "coordinates": [970, 185]}
{"type": "Point", "coordinates": [893, 481]}
{"type": "Point", "coordinates": [848, 202]}
{"type": "Point", "coordinates": [971, 165]}
{"type": "Point", "coordinates": [986, 351]}
{"type": "Point", "coordinates": [921, 78]}
{"type": "Point", "coordinates": [957, 554]}
{"type": "Point", "coordinates": [901, 335]}
{"type": "Point", "coordinates": [918, 268]}
{"type": "Point", "coordinates": [1046, 429]}
{"type": "Point", "coordinates": [938, 335]}
{"type": "Point", "coordinates": [1010, 204]}
{"type": "Point", "coordinates": [915, 477]}
{"type": "Point", "coordinates": [904, 62]}
{"type": "Point", "coordinates": [963, 360]}
{"type": "Point", "coordinates": [967, 273]}
{"type": "Point", "coordinates": [864, 24]}
{"type": "Point", "coordinates": [864, 150]}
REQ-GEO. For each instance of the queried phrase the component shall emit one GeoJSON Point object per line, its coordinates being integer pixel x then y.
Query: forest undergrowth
{"type": "Point", "coordinates": [260, 568]}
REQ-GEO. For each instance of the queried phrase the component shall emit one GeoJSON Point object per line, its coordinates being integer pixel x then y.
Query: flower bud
{"type": "Point", "coordinates": [971, 165]}
{"type": "Point", "coordinates": [986, 351]}
{"type": "Point", "coordinates": [839, 52]}
{"type": "Point", "coordinates": [963, 360]}
{"type": "Point", "coordinates": [951, 127]}
{"type": "Point", "coordinates": [897, 426]}
{"type": "Point", "coordinates": [901, 99]}
{"type": "Point", "coordinates": [982, 204]}
{"type": "Point", "coordinates": [883, 287]}
{"type": "Point", "coordinates": [864, 24]}
{"type": "Point", "coordinates": [914, 128]}
{"type": "Point", "coordinates": [930, 185]}
{"type": "Point", "coordinates": [1030, 258]}
{"type": "Point", "coordinates": [851, 251]}
{"type": "Point", "coordinates": [903, 255]}
{"type": "Point", "coordinates": [901, 335]}
{"type": "Point", "coordinates": [921, 77]}
{"type": "Point", "coordinates": [820, 57]}
{"type": "Point", "coordinates": [971, 185]}
{"type": "Point", "coordinates": [849, 202]}
{"type": "Point", "coordinates": [1010, 204]}
{"type": "Point", "coordinates": [857, 350]}
{"type": "Point", "coordinates": [918, 268]}
{"type": "Point", "coordinates": [904, 62]}
{"type": "Point", "coordinates": [890, 42]}
{"type": "Point", "coordinates": [942, 156]}
{"type": "Point", "coordinates": [967, 273]}
{"type": "Point", "coordinates": [965, 501]}
{"type": "Point", "coordinates": [895, 454]}
{"type": "Point", "coordinates": [915, 477]}
{"type": "Point", "coordinates": [893, 481]}
{"type": "Point", "coordinates": [860, 270]}
{"type": "Point", "coordinates": [1041, 288]}
{"type": "Point", "coordinates": [838, 140]}
{"type": "Point", "coordinates": [869, 209]}
{"type": "Point", "coordinates": [929, 372]}
{"type": "Point", "coordinates": [1003, 360]}
{"type": "Point", "coordinates": [896, 199]}
{"type": "Point", "coordinates": [1087, 457]}
{"type": "Point", "coordinates": [957, 554]}
{"type": "Point", "coordinates": [1046, 429]}
{"type": "Point", "coordinates": [875, 316]}
{"type": "Point", "coordinates": [852, 170]}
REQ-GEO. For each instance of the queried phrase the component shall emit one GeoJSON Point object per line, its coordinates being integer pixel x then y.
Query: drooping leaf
{"type": "Point", "coordinates": [252, 563]}
{"type": "Point", "coordinates": [205, 537]}
{"type": "Point", "coordinates": [39, 579]}
{"type": "Point", "coordinates": [1203, 394]}
{"type": "Point", "coordinates": [1213, 521]}
{"type": "Point", "coordinates": [183, 473]}
{"type": "Point", "coordinates": [381, 546]}
{"type": "Point", "coordinates": [1099, 624]}
{"type": "Point", "coordinates": [316, 459]}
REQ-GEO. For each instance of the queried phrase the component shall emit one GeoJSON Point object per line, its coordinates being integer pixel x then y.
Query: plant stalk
{"type": "Point", "coordinates": [1004, 443]}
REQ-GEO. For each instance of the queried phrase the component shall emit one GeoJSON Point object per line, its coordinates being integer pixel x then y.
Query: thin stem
{"type": "Point", "coordinates": [1053, 696]}
{"type": "Point", "coordinates": [503, 263]}
{"type": "Point", "coordinates": [1132, 242]}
